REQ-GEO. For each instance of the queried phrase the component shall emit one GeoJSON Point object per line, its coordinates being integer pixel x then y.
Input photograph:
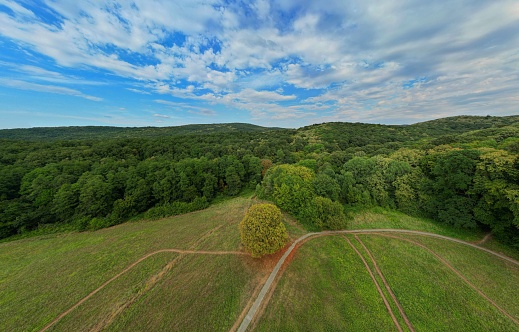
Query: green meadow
{"type": "Point", "coordinates": [190, 273]}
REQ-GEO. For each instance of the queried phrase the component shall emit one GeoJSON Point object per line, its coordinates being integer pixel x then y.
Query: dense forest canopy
{"type": "Point", "coordinates": [461, 170]}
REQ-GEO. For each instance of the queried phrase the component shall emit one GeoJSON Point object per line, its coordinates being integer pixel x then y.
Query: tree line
{"type": "Point", "coordinates": [463, 187]}
{"type": "Point", "coordinates": [449, 172]}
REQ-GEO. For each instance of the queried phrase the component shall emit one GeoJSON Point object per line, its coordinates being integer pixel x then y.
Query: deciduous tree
{"type": "Point", "coordinates": [262, 231]}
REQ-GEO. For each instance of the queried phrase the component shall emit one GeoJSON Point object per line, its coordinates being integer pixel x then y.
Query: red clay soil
{"type": "Point", "coordinates": [441, 259]}
{"type": "Point", "coordinates": [395, 300]}
{"type": "Point", "coordinates": [274, 284]}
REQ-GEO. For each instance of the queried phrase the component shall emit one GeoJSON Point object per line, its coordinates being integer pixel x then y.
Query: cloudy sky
{"type": "Point", "coordinates": [282, 63]}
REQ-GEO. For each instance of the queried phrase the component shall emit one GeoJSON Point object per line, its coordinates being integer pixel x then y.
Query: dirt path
{"type": "Point", "coordinates": [252, 312]}
{"type": "Point", "coordinates": [251, 315]}
{"type": "Point", "coordinates": [267, 286]}
{"type": "Point", "coordinates": [149, 283]}
{"type": "Point", "coordinates": [485, 239]}
{"type": "Point", "coordinates": [390, 291]}
{"type": "Point", "coordinates": [95, 291]}
{"type": "Point", "coordinates": [461, 276]}
{"type": "Point", "coordinates": [386, 303]}
{"type": "Point", "coordinates": [255, 293]}
{"type": "Point", "coordinates": [153, 280]}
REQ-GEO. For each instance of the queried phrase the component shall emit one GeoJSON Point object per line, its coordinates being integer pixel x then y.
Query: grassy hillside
{"type": "Point", "coordinates": [328, 287]}
{"type": "Point", "coordinates": [188, 273]}
{"type": "Point", "coordinates": [44, 276]}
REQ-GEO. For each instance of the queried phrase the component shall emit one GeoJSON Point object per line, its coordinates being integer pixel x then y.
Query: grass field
{"type": "Point", "coordinates": [41, 277]}
{"type": "Point", "coordinates": [326, 285]}
{"type": "Point", "coordinates": [325, 288]}
{"type": "Point", "coordinates": [377, 217]}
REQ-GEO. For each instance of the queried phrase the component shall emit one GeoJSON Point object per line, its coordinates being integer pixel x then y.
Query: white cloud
{"type": "Point", "coordinates": [253, 96]}
{"type": "Point", "coordinates": [177, 106]}
{"type": "Point", "coordinates": [142, 92]}
{"type": "Point", "coordinates": [22, 85]}
{"type": "Point", "coordinates": [457, 56]}
{"type": "Point", "coordinates": [33, 70]}
{"type": "Point", "coordinates": [17, 8]}
{"type": "Point", "coordinates": [161, 116]}
{"type": "Point", "coordinates": [166, 102]}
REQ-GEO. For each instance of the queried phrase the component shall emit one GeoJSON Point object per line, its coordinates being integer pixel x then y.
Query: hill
{"type": "Point", "coordinates": [344, 132]}
{"type": "Point", "coordinates": [190, 273]}
{"type": "Point", "coordinates": [462, 124]}
{"type": "Point", "coordinates": [447, 169]}
{"type": "Point", "coordinates": [100, 132]}
{"type": "Point", "coordinates": [343, 135]}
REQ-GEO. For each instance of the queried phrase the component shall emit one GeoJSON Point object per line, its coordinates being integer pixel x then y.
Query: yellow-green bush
{"type": "Point", "coordinates": [262, 231]}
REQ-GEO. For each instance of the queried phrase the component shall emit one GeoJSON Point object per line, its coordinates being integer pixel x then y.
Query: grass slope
{"type": "Point", "coordinates": [325, 287]}
{"type": "Point", "coordinates": [433, 296]}
{"type": "Point", "coordinates": [42, 277]}
{"type": "Point", "coordinates": [378, 217]}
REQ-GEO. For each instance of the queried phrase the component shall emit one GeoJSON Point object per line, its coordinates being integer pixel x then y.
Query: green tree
{"type": "Point", "coordinates": [290, 187]}
{"type": "Point", "coordinates": [326, 186]}
{"type": "Point", "coordinates": [262, 231]}
{"type": "Point", "coordinates": [325, 213]}
{"type": "Point", "coordinates": [449, 186]}
{"type": "Point", "coordinates": [496, 183]}
{"type": "Point", "coordinates": [65, 202]}
{"type": "Point", "coordinates": [95, 199]}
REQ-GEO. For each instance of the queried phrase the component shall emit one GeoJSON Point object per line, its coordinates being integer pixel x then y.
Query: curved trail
{"type": "Point", "coordinates": [180, 251]}
{"type": "Point", "coordinates": [386, 303]}
{"type": "Point", "coordinates": [266, 287]}
{"type": "Point", "coordinates": [461, 276]}
{"type": "Point", "coordinates": [153, 279]}
{"type": "Point", "coordinates": [386, 284]}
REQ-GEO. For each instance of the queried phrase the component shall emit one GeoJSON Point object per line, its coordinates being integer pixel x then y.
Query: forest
{"type": "Point", "coordinates": [461, 170]}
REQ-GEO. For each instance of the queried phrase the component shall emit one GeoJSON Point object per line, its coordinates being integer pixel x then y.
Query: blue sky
{"type": "Point", "coordinates": [285, 63]}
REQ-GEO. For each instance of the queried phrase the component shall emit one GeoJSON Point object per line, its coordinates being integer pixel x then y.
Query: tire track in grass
{"type": "Point", "coordinates": [148, 285]}
{"type": "Point", "coordinates": [461, 276]}
{"type": "Point", "coordinates": [386, 303]}
{"type": "Point", "coordinates": [270, 285]}
{"type": "Point", "coordinates": [153, 279]}
{"type": "Point", "coordinates": [95, 291]}
{"type": "Point", "coordinates": [271, 281]}
{"type": "Point", "coordinates": [388, 288]}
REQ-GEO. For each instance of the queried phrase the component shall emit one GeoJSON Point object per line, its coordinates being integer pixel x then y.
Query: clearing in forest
{"type": "Point", "coordinates": [190, 273]}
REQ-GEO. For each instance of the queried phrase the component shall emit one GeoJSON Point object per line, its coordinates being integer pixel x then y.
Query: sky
{"type": "Point", "coordinates": [284, 63]}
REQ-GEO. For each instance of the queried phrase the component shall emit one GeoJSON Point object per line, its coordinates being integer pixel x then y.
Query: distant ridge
{"type": "Point", "coordinates": [347, 132]}
{"type": "Point", "coordinates": [464, 123]}
{"type": "Point", "coordinates": [98, 132]}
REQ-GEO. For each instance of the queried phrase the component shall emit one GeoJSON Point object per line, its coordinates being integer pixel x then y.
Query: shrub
{"type": "Point", "coordinates": [324, 213]}
{"type": "Point", "coordinates": [262, 231]}
{"type": "Point", "coordinates": [176, 208]}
